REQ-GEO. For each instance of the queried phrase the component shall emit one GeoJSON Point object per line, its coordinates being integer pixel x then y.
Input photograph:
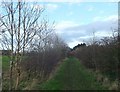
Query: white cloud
{"type": "Point", "coordinates": [97, 18]}
{"type": "Point", "coordinates": [38, 6]}
{"type": "Point", "coordinates": [103, 33]}
{"type": "Point", "coordinates": [51, 7]}
{"type": "Point", "coordinates": [112, 17]}
{"type": "Point", "coordinates": [65, 24]}
{"type": "Point", "coordinates": [88, 37]}
{"type": "Point", "coordinates": [106, 18]}
{"type": "Point", "coordinates": [74, 43]}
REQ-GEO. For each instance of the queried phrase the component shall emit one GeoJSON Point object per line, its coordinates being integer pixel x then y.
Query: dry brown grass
{"type": "Point", "coordinates": [114, 85]}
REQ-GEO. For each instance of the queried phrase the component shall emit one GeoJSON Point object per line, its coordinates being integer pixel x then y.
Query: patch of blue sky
{"type": "Point", "coordinates": [82, 12]}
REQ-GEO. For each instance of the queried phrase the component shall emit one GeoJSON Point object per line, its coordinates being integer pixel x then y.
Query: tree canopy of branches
{"type": "Point", "coordinates": [18, 24]}
{"type": "Point", "coordinates": [35, 48]}
{"type": "Point", "coordinates": [101, 56]}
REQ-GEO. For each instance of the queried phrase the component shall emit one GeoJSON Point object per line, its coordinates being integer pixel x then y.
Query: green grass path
{"type": "Point", "coordinates": [71, 75]}
{"type": "Point", "coordinates": [5, 63]}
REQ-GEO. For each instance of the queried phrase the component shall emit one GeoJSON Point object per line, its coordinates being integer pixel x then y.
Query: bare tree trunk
{"type": "Point", "coordinates": [24, 29]}
{"type": "Point", "coordinates": [11, 62]}
{"type": "Point", "coordinates": [18, 49]}
{"type": "Point", "coordinates": [24, 37]}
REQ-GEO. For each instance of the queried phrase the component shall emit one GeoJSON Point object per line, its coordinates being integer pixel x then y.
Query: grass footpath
{"type": "Point", "coordinates": [71, 75]}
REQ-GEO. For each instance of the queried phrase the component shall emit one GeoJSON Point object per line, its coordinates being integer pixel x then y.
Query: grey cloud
{"type": "Point", "coordinates": [81, 32]}
{"type": "Point", "coordinates": [98, 25]}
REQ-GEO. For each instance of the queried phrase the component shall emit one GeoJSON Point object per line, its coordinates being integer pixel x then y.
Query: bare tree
{"type": "Point", "coordinates": [19, 23]}
{"type": "Point", "coordinates": [47, 49]}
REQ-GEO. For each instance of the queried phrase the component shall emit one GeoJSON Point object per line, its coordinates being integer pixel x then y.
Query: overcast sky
{"type": "Point", "coordinates": [76, 20]}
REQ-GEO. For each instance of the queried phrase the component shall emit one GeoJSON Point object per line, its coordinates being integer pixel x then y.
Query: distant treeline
{"type": "Point", "coordinates": [5, 52]}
